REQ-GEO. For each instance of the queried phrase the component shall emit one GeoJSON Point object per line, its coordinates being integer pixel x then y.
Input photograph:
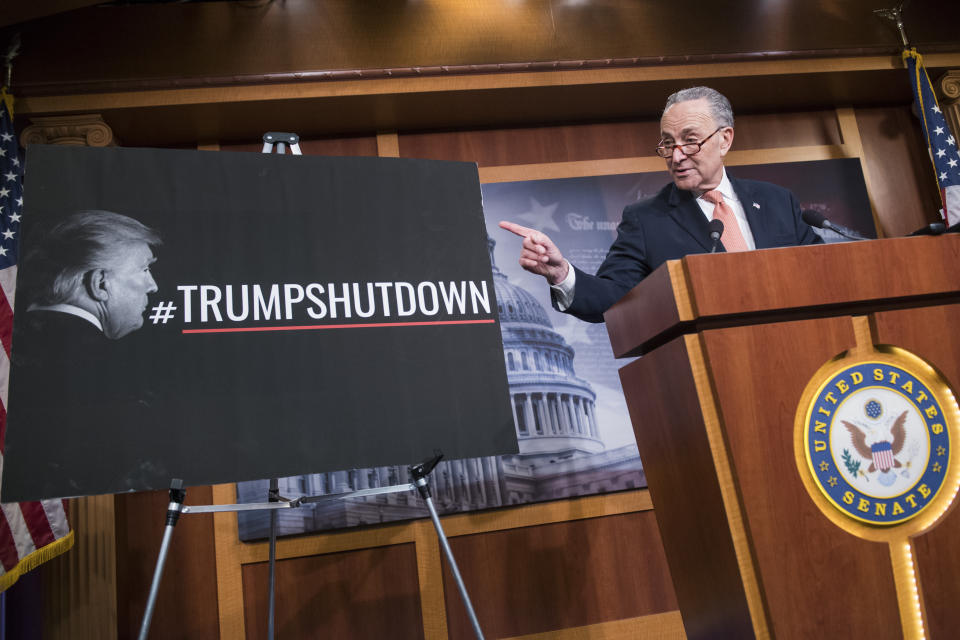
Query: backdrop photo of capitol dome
{"type": "Point", "coordinates": [570, 416]}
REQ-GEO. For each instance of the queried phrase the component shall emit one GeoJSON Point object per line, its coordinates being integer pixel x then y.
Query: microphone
{"type": "Point", "coordinates": [932, 229]}
{"type": "Point", "coordinates": [716, 230]}
{"type": "Point", "coordinates": [818, 220]}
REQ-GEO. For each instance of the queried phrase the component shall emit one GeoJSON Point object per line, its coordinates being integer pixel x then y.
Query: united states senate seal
{"type": "Point", "coordinates": [877, 437]}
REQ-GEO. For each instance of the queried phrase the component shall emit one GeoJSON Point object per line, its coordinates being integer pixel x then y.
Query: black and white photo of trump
{"type": "Point", "coordinates": [93, 266]}
{"type": "Point", "coordinates": [82, 291]}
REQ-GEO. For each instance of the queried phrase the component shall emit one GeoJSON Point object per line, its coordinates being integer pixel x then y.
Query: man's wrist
{"type": "Point", "coordinates": [566, 274]}
{"type": "Point", "coordinates": [563, 290]}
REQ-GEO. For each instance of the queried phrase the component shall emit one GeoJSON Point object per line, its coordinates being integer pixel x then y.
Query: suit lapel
{"type": "Point", "coordinates": [753, 208]}
{"type": "Point", "coordinates": [689, 216]}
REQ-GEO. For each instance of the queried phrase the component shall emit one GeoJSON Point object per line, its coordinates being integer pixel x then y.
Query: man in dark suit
{"type": "Point", "coordinates": [696, 131]}
{"type": "Point", "coordinates": [82, 286]}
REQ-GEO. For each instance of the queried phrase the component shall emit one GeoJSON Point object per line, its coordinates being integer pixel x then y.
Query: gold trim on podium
{"type": "Point", "coordinates": [709, 408]}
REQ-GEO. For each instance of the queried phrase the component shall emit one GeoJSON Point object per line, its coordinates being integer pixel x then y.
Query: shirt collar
{"type": "Point", "coordinates": [725, 187]}
{"type": "Point", "coordinates": [68, 308]}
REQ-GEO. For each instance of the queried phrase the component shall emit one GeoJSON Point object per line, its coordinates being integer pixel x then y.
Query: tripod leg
{"type": "Point", "coordinates": [177, 495]}
{"type": "Point", "coordinates": [453, 565]}
{"type": "Point", "coordinates": [273, 497]}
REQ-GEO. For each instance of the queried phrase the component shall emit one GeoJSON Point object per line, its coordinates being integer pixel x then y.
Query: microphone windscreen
{"type": "Point", "coordinates": [813, 218]}
{"type": "Point", "coordinates": [716, 228]}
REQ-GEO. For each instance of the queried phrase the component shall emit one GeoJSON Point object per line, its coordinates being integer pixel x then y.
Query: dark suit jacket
{"type": "Point", "coordinates": [78, 405]}
{"type": "Point", "coordinates": [671, 225]}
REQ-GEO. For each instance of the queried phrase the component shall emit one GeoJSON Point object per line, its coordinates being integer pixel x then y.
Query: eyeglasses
{"type": "Point", "coordinates": [688, 148]}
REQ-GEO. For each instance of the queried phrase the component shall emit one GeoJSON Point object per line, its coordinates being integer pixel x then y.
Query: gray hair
{"type": "Point", "coordinates": [720, 107]}
{"type": "Point", "coordinates": [53, 270]}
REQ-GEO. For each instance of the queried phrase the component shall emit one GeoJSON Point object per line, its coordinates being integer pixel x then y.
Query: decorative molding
{"type": "Point", "coordinates": [948, 93]}
{"type": "Point", "coordinates": [60, 87]}
{"type": "Point", "coordinates": [949, 85]}
{"type": "Point", "coordinates": [87, 130]}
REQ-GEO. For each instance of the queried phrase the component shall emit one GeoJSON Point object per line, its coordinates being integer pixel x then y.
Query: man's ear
{"type": "Point", "coordinates": [95, 282]}
{"type": "Point", "coordinates": [726, 140]}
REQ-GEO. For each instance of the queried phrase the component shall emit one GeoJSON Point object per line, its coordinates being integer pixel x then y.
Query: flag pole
{"type": "Point", "coordinates": [896, 15]}
{"type": "Point", "coordinates": [12, 52]}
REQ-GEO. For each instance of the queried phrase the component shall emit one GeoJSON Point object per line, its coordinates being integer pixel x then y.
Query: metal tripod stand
{"type": "Point", "coordinates": [419, 473]}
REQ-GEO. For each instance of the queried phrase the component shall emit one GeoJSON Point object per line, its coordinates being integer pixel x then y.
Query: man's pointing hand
{"type": "Point", "coordinates": [539, 255]}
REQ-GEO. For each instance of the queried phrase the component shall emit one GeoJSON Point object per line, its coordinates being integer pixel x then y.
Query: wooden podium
{"type": "Point", "coordinates": [729, 343]}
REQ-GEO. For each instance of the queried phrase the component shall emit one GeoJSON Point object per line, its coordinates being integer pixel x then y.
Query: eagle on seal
{"type": "Point", "coordinates": [883, 452]}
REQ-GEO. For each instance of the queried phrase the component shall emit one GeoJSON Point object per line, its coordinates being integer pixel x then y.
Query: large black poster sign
{"type": "Point", "coordinates": [220, 316]}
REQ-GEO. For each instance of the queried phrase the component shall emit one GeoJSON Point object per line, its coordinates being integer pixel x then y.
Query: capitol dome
{"type": "Point", "coordinates": [517, 305]}
{"type": "Point", "coordinates": [553, 409]}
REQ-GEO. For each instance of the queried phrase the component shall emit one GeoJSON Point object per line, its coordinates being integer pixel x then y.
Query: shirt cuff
{"type": "Point", "coordinates": [563, 291]}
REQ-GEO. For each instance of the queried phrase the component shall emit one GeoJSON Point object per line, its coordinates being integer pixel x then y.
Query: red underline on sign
{"type": "Point", "coordinates": [312, 327]}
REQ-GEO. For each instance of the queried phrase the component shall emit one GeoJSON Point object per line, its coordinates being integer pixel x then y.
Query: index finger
{"type": "Point", "coordinates": [513, 227]}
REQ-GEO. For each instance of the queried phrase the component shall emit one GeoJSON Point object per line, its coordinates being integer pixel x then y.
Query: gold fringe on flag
{"type": "Point", "coordinates": [36, 558]}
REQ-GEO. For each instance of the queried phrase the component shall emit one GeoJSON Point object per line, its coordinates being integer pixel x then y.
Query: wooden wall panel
{"type": "Point", "coordinates": [937, 552]}
{"type": "Point", "coordinates": [187, 600]}
{"type": "Point", "coordinates": [901, 175]}
{"type": "Point", "coordinates": [600, 141]}
{"type": "Point", "coordinates": [759, 373]}
{"type": "Point", "coordinates": [368, 594]}
{"type": "Point", "coordinates": [785, 129]}
{"type": "Point", "coordinates": [543, 578]}
{"type": "Point", "coordinates": [531, 145]}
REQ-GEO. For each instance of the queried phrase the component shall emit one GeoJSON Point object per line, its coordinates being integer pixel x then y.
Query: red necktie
{"type": "Point", "coordinates": [732, 239]}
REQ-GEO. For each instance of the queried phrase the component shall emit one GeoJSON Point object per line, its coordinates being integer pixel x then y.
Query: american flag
{"type": "Point", "coordinates": [942, 144]}
{"type": "Point", "coordinates": [30, 532]}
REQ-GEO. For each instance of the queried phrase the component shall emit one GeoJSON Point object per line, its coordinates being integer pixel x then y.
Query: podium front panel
{"type": "Point", "coordinates": [806, 565]}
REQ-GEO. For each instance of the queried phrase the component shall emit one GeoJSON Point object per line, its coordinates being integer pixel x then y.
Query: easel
{"type": "Point", "coordinates": [275, 501]}
{"type": "Point", "coordinates": [418, 472]}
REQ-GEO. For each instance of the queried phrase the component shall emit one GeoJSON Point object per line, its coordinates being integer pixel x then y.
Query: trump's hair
{"type": "Point", "coordinates": [53, 269]}
{"type": "Point", "coordinates": [720, 107]}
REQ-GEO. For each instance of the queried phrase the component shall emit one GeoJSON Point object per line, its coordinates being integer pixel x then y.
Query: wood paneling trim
{"type": "Point", "coordinates": [430, 576]}
{"type": "Point", "coordinates": [850, 132]}
{"type": "Point", "coordinates": [659, 626]}
{"type": "Point", "coordinates": [312, 90]}
{"type": "Point", "coordinates": [554, 170]}
{"type": "Point", "coordinates": [388, 144]}
{"type": "Point", "coordinates": [454, 525]}
{"type": "Point", "coordinates": [226, 536]}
